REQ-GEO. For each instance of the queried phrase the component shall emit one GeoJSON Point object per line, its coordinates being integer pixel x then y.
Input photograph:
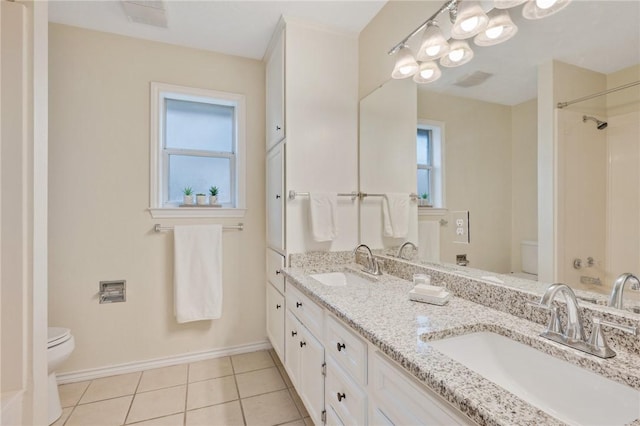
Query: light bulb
{"type": "Point", "coordinates": [433, 50]}
{"type": "Point", "coordinates": [494, 32]}
{"type": "Point", "coordinates": [456, 55]}
{"type": "Point", "coordinates": [405, 70]}
{"type": "Point", "coordinates": [545, 4]}
{"type": "Point", "coordinates": [426, 74]}
{"type": "Point", "coordinates": [469, 24]}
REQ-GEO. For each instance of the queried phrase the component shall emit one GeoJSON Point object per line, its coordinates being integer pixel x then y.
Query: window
{"type": "Point", "coordinates": [430, 159]}
{"type": "Point", "coordinates": [197, 141]}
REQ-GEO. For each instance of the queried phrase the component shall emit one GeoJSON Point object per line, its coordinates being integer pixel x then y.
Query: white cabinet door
{"type": "Point", "coordinates": [311, 378]}
{"type": "Point", "coordinates": [292, 334]}
{"type": "Point", "coordinates": [275, 319]}
{"type": "Point", "coordinates": [275, 198]}
{"type": "Point", "coordinates": [275, 92]}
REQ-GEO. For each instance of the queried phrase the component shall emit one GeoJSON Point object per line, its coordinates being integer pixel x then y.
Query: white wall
{"type": "Point", "coordinates": [322, 130]}
{"type": "Point", "coordinates": [524, 178]}
{"type": "Point", "coordinates": [100, 228]}
{"type": "Point", "coordinates": [478, 176]}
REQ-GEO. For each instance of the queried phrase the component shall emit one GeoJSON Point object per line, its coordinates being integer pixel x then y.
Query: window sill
{"type": "Point", "coordinates": [432, 211]}
{"type": "Point", "coordinates": [176, 212]}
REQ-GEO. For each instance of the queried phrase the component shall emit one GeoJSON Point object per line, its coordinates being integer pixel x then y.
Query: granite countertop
{"type": "Point", "coordinates": [380, 311]}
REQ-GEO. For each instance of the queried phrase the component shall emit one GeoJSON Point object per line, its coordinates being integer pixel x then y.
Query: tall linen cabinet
{"type": "Point", "coordinates": [311, 143]}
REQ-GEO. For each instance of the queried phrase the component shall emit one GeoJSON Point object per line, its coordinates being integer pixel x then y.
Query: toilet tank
{"type": "Point", "coordinates": [529, 254]}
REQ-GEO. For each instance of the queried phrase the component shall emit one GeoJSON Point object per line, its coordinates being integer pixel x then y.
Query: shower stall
{"type": "Point", "coordinates": [598, 188]}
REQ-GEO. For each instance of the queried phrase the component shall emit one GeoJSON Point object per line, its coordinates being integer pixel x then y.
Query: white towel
{"type": "Point", "coordinates": [395, 214]}
{"type": "Point", "coordinates": [197, 272]}
{"type": "Point", "coordinates": [429, 240]}
{"type": "Point", "coordinates": [322, 209]}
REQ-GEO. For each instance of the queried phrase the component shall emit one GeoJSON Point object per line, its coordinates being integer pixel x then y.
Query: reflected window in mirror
{"type": "Point", "coordinates": [430, 159]}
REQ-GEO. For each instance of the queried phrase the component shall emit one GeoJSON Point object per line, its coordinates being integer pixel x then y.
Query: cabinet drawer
{"type": "Point", "coordinates": [309, 313]}
{"type": "Point", "coordinates": [347, 349]}
{"type": "Point", "coordinates": [345, 396]}
{"type": "Point", "coordinates": [401, 401]}
{"type": "Point", "coordinates": [275, 262]}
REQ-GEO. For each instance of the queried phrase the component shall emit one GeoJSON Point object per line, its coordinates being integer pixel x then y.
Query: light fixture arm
{"type": "Point", "coordinates": [450, 6]}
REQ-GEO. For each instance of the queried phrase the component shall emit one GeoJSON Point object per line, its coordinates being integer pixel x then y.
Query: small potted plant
{"type": "Point", "coordinates": [424, 200]}
{"type": "Point", "coordinates": [201, 199]}
{"type": "Point", "coordinates": [213, 198]}
{"type": "Point", "coordinates": [188, 196]}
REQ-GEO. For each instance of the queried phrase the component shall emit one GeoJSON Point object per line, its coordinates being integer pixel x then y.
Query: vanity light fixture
{"type": "Point", "coordinates": [434, 45]}
{"type": "Point", "coordinates": [470, 19]}
{"type": "Point", "coordinates": [429, 72]}
{"type": "Point", "coordinates": [537, 9]}
{"type": "Point", "coordinates": [459, 54]}
{"type": "Point", "coordinates": [499, 29]}
{"type": "Point", "coordinates": [406, 65]}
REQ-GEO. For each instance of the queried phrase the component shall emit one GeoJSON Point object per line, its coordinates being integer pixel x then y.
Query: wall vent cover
{"type": "Point", "coordinates": [473, 79]}
{"type": "Point", "coordinates": [146, 12]}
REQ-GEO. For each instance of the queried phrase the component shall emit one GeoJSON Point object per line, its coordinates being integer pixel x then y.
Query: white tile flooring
{"type": "Point", "coordinates": [247, 389]}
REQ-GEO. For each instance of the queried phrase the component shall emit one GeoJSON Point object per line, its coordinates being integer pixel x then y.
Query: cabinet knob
{"type": "Point", "coordinates": [298, 304]}
{"type": "Point", "coordinates": [341, 396]}
{"type": "Point", "coordinates": [303, 344]}
{"type": "Point", "coordinates": [278, 306]}
{"type": "Point", "coordinates": [340, 346]}
{"type": "Point", "coordinates": [278, 128]}
{"type": "Point", "coordinates": [277, 197]}
{"type": "Point", "coordinates": [278, 272]}
{"type": "Point", "coordinates": [294, 333]}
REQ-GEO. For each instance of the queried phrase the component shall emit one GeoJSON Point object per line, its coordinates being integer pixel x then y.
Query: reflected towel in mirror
{"type": "Point", "coordinates": [395, 214]}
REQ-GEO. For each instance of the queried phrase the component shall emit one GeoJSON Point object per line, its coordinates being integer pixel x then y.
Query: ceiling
{"type": "Point", "coordinates": [241, 28]}
{"type": "Point", "coordinates": [601, 35]}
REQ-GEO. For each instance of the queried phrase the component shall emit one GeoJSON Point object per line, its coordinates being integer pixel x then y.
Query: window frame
{"type": "Point", "coordinates": [437, 168]}
{"type": "Point", "coordinates": [159, 156]}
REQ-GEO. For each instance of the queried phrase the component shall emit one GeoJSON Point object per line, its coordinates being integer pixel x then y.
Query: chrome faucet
{"type": "Point", "coordinates": [575, 329]}
{"type": "Point", "coordinates": [615, 300]}
{"type": "Point", "coordinates": [401, 249]}
{"type": "Point", "coordinates": [574, 336]}
{"type": "Point", "coordinates": [372, 264]}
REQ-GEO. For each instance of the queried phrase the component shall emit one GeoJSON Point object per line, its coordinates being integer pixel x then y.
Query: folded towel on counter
{"type": "Point", "coordinates": [395, 215]}
{"type": "Point", "coordinates": [322, 210]}
{"type": "Point", "coordinates": [197, 272]}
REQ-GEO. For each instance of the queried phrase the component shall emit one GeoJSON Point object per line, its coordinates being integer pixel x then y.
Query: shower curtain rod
{"type": "Point", "coordinates": [595, 95]}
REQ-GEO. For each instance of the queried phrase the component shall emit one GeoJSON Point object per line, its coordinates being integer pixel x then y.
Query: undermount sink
{"type": "Point", "coordinates": [338, 279]}
{"type": "Point", "coordinates": [571, 394]}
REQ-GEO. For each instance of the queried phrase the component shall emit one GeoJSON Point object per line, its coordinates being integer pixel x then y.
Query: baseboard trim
{"type": "Point", "coordinates": [132, 367]}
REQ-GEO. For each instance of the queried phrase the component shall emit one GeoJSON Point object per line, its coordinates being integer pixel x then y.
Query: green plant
{"type": "Point", "coordinates": [213, 191]}
{"type": "Point", "coordinates": [188, 191]}
{"type": "Point", "coordinates": [425, 196]}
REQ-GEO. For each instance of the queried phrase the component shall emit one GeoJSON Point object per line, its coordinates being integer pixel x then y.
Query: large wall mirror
{"type": "Point", "coordinates": [484, 135]}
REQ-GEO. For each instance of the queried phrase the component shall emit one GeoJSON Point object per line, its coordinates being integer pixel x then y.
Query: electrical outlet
{"type": "Point", "coordinates": [461, 219]}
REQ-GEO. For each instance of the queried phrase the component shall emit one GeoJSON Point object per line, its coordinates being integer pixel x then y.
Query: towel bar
{"type": "Point", "coordinates": [413, 195]}
{"type": "Point", "coordinates": [160, 228]}
{"type": "Point", "coordinates": [293, 194]}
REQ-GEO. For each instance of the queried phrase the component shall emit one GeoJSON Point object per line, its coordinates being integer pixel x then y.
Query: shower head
{"type": "Point", "coordinates": [600, 124]}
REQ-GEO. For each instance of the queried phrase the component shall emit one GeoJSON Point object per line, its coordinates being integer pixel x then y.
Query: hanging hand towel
{"type": "Point", "coordinates": [197, 272]}
{"type": "Point", "coordinates": [322, 209]}
{"type": "Point", "coordinates": [395, 214]}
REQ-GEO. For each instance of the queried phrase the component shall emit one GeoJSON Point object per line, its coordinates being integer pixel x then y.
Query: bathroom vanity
{"type": "Point", "coordinates": [360, 352]}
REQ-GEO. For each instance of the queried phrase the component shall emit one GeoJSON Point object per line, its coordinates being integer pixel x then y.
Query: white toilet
{"type": "Point", "coordinates": [59, 346]}
{"type": "Point", "coordinates": [529, 258]}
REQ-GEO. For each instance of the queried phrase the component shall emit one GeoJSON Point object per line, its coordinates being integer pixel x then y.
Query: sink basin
{"type": "Point", "coordinates": [570, 393]}
{"type": "Point", "coordinates": [338, 279]}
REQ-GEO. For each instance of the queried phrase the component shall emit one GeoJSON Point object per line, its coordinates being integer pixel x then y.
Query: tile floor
{"type": "Point", "coordinates": [246, 389]}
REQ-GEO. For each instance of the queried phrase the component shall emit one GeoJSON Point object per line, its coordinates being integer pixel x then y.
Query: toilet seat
{"type": "Point", "coordinates": [57, 336]}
